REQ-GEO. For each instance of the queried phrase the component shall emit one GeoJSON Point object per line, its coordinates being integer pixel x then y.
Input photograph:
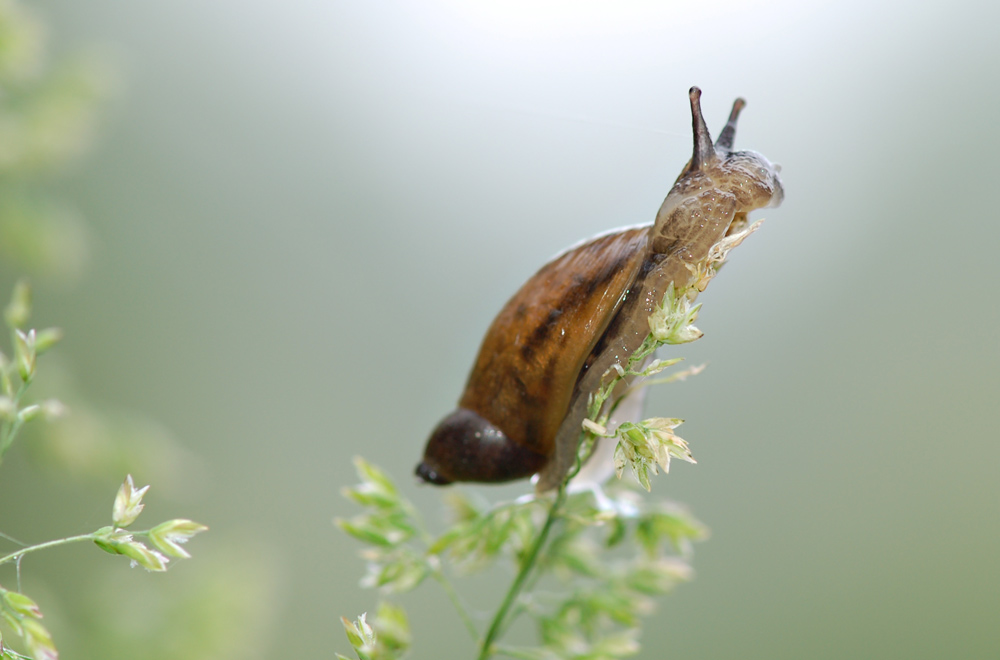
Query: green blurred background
{"type": "Point", "coordinates": [301, 216]}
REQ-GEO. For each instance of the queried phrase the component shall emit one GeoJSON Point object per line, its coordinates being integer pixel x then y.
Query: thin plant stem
{"type": "Point", "coordinates": [438, 573]}
{"type": "Point", "coordinates": [452, 594]}
{"type": "Point", "coordinates": [499, 619]}
{"type": "Point", "coordinates": [48, 544]}
{"type": "Point", "coordinates": [9, 428]}
{"type": "Point", "coordinates": [10, 538]}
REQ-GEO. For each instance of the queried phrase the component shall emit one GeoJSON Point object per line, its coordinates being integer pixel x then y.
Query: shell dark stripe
{"type": "Point", "coordinates": [556, 313]}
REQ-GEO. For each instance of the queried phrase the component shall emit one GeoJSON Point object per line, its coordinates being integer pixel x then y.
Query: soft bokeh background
{"type": "Point", "coordinates": [302, 216]}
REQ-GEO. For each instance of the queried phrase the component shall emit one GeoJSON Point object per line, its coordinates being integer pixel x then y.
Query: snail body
{"type": "Point", "coordinates": [585, 311]}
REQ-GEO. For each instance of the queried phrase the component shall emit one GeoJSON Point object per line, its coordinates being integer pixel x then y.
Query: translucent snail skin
{"type": "Point", "coordinates": [585, 311]}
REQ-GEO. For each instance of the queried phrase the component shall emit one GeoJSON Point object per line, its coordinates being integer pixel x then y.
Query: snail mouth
{"type": "Point", "coordinates": [431, 476]}
{"type": "Point", "coordinates": [738, 224]}
{"type": "Point", "coordinates": [779, 192]}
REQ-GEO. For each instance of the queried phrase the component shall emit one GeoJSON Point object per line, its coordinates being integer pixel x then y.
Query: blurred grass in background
{"type": "Point", "coordinates": [301, 217]}
{"type": "Point", "coordinates": [67, 468]}
{"type": "Point", "coordinates": [46, 119]}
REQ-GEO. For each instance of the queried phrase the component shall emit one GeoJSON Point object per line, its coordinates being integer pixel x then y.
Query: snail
{"type": "Point", "coordinates": [585, 311]}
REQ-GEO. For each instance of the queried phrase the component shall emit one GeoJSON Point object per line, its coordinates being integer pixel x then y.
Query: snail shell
{"type": "Point", "coordinates": [585, 311]}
